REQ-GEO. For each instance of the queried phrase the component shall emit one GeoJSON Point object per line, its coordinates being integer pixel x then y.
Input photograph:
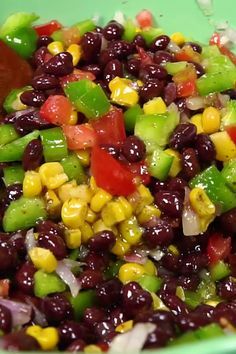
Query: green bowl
{"type": "Point", "coordinates": [172, 15]}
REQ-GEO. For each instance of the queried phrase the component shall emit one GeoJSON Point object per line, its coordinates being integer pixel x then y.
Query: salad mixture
{"type": "Point", "coordinates": [118, 186]}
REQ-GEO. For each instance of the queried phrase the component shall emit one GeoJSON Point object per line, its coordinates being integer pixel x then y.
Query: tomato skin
{"type": "Point", "coordinates": [79, 136]}
{"type": "Point", "coordinates": [185, 81]}
{"type": "Point", "coordinates": [145, 58]}
{"type": "Point", "coordinates": [144, 19]}
{"type": "Point", "coordinates": [186, 89]}
{"type": "Point", "coordinates": [48, 28]}
{"type": "Point", "coordinates": [215, 39]}
{"type": "Point", "coordinates": [110, 174]}
{"type": "Point", "coordinates": [56, 109]}
{"type": "Point", "coordinates": [231, 130]}
{"type": "Point", "coordinates": [77, 75]}
{"type": "Point", "coordinates": [110, 128]}
{"type": "Point", "coordinates": [218, 248]}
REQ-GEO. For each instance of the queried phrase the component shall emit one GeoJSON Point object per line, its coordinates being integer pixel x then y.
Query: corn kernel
{"type": "Point", "coordinates": [47, 338]}
{"type": "Point", "coordinates": [73, 118]}
{"type": "Point", "coordinates": [83, 192]}
{"type": "Point", "coordinates": [120, 248]}
{"type": "Point", "coordinates": [212, 303]}
{"type": "Point", "coordinates": [122, 92]}
{"type": "Point", "coordinates": [176, 166]}
{"type": "Point", "coordinates": [43, 259]}
{"type": "Point", "coordinates": [64, 190]}
{"type": "Point", "coordinates": [174, 250]}
{"type": "Point", "coordinates": [149, 268]}
{"type": "Point", "coordinates": [76, 52]}
{"type": "Point", "coordinates": [91, 217]}
{"type": "Point", "coordinates": [73, 238]}
{"type": "Point", "coordinates": [130, 272]}
{"type": "Point", "coordinates": [92, 348]}
{"type": "Point", "coordinates": [55, 47]}
{"type": "Point", "coordinates": [155, 106]}
{"type": "Point", "coordinates": [84, 157]}
{"type": "Point", "coordinates": [86, 232]}
{"type": "Point", "coordinates": [99, 200]}
{"type": "Point", "coordinates": [93, 184]}
{"type": "Point", "coordinates": [32, 185]}
{"type": "Point", "coordinates": [73, 213]}
{"type": "Point", "coordinates": [225, 147]}
{"type": "Point", "coordinates": [52, 175]}
{"type": "Point", "coordinates": [210, 120]}
{"type": "Point", "coordinates": [131, 231]}
{"type": "Point", "coordinates": [178, 38]}
{"type": "Point", "coordinates": [147, 213]}
{"type": "Point", "coordinates": [125, 204]}
{"type": "Point", "coordinates": [140, 198]}
{"type": "Point", "coordinates": [53, 204]}
{"type": "Point", "coordinates": [197, 121]}
{"type": "Point", "coordinates": [112, 213]}
{"type": "Point", "coordinates": [124, 327]}
{"type": "Point", "coordinates": [201, 203]}
{"type": "Point", "coordinates": [158, 304]}
{"type": "Point", "coordinates": [99, 225]}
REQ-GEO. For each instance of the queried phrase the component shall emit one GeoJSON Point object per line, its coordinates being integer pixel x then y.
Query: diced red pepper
{"type": "Point", "coordinates": [186, 82]}
{"type": "Point", "coordinates": [48, 28]}
{"type": "Point", "coordinates": [56, 109]}
{"type": "Point", "coordinates": [77, 75]}
{"type": "Point", "coordinates": [111, 174]}
{"type": "Point", "coordinates": [110, 128]}
{"type": "Point", "coordinates": [144, 56]}
{"type": "Point", "coordinates": [4, 287]}
{"type": "Point", "coordinates": [215, 39]}
{"type": "Point", "coordinates": [144, 19]}
{"type": "Point", "coordinates": [186, 89]}
{"type": "Point", "coordinates": [218, 248]}
{"type": "Point", "coordinates": [231, 130]}
{"type": "Point", "coordinates": [79, 136]}
{"type": "Point", "coordinates": [188, 54]}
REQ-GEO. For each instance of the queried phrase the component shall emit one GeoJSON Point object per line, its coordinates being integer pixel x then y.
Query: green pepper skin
{"type": "Point", "coordinates": [219, 271]}
{"type": "Point", "coordinates": [54, 144]}
{"type": "Point", "coordinates": [130, 117]}
{"type": "Point", "coordinates": [7, 134]}
{"type": "Point", "coordinates": [85, 26]}
{"type": "Point", "coordinates": [159, 164]}
{"type": "Point", "coordinates": [129, 31]}
{"type": "Point", "coordinates": [216, 82]}
{"type": "Point", "coordinates": [47, 283]}
{"type": "Point", "coordinates": [73, 168]}
{"type": "Point", "coordinates": [83, 300]}
{"type": "Point", "coordinates": [23, 213]}
{"type": "Point", "coordinates": [150, 283]}
{"type": "Point", "coordinates": [13, 174]}
{"type": "Point", "coordinates": [23, 41]}
{"type": "Point", "coordinates": [229, 174]}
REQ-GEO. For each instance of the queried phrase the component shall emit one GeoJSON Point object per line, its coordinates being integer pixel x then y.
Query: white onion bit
{"type": "Point", "coordinates": [68, 277]}
{"type": "Point", "coordinates": [190, 220]}
{"type": "Point", "coordinates": [195, 103]}
{"type": "Point", "coordinates": [119, 17]}
{"type": "Point", "coordinates": [173, 47]}
{"type": "Point", "coordinates": [206, 6]}
{"type": "Point", "coordinates": [21, 313]}
{"type": "Point", "coordinates": [30, 241]}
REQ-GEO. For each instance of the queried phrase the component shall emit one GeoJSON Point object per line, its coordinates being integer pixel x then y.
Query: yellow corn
{"type": "Point", "coordinates": [73, 118]}
{"type": "Point", "coordinates": [174, 250]}
{"type": "Point", "coordinates": [52, 175]}
{"type": "Point", "coordinates": [124, 327]}
{"type": "Point", "coordinates": [178, 38]}
{"type": "Point", "coordinates": [120, 248]}
{"type": "Point", "coordinates": [130, 231]}
{"type": "Point", "coordinates": [84, 157]}
{"type": "Point", "coordinates": [150, 268]}
{"type": "Point", "coordinates": [43, 259]}
{"type": "Point", "coordinates": [147, 213]}
{"type": "Point", "coordinates": [197, 121]}
{"type": "Point", "coordinates": [92, 348]}
{"type": "Point", "coordinates": [112, 213]}
{"type": "Point", "coordinates": [130, 272]}
{"type": "Point", "coordinates": [73, 213]}
{"type": "Point", "coordinates": [140, 198]}
{"type": "Point", "coordinates": [155, 106]}
{"type": "Point", "coordinates": [55, 47]}
{"type": "Point", "coordinates": [122, 92]}
{"type": "Point", "coordinates": [47, 338]}
{"type": "Point", "coordinates": [64, 190]}
{"type": "Point", "coordinates": [76, 52]}
{"type": "Point", "coordinates": [99, 200]}
{"type": "Point", "coordinates": [32, 185]}
{"type": "Point", "coordinates": [225, 147]}
{"type": "Point", "coordinates": [53, 204]}
{"type": "Point", "coordinates": [86, 232]}
{"type": "Point", "coordinates": [212, 303]}
{"type": "Point", "coordinates": [99, 225]}
{"type": "Point", "coordinates": [158, 304]}
{"type": "Point", "coordinates": [201, 203]}
{"type": "Point", "coordinates": [205, 222]}
{"type": "Point", "coordinates": [93, 184]}
{"type": "Point", "coordinates": [210, 120]}
{"type": "Point", "coordinates": [73, 238]}
{"type": "Point", "coordinates": [180, 293]}
{"type": "Point", "coordinates": [90, 216]}
{"type": "Point", "coordinates": [125, 204]}
{"type": "Point", "coordinates": [176, 166]}
{"type": "Point", "coordinates": [72, 190]}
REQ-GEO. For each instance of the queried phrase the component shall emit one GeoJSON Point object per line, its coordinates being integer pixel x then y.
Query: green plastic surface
{"type": "Point", "coordinates": [173, 15]}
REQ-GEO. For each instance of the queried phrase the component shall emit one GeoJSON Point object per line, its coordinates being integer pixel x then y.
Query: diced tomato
{"type": "Point", "coordinates": [111, 174]}
{"type": "Point", "coordinates": [144, 19]}
{"type": "Point", "coordinates": [79, 136]}
{"type": "Point", "coordinates": [186, 82]}
{"type": "Point", "coordinates": [140, 171]}
{"type": "Point", "coordinates": [231, 130]}
{"type": "Point", "coordinates": [70, 35]}
{"type": "Point", "coordinates": [4, 287]}
{"type": "Point", "coordinates": [48, 28]}
{"type": "Point", "coordinates": [110, 128]}
{"type": "Point", "coordinates": [186, 89]}
{"type": "Point", "coordinates": [187, 54]}
{"type": "Point", "coordinates": [215, 39]}
{"type": "Point", "coordinates": [56, 109]}
{"type": "Point", "coordinates": [144, 57]}
{"type": "Point", "coordinates": [218, 248]}
{"type": "Point", "coordinates": [77, 75]}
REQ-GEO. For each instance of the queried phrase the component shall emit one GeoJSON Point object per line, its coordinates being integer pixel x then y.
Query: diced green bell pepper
{"type": "Point", "coordinates": [54, 144]}
{"type": "Point", "coordinates": [159, 164]}
{"type": "Point", "coordinates": [23, 41]}
{"type": "Point", "coordinates": [210, 51]}
{"type": "Point", "coordinates": [13, 174]}
{"type": "Point", "coordinates": [57, 36]}
{"type": "Point", "coordinates": [150, 33]}
{"type": "Point", "coordinates": [192, 299]}
{"type": "Point", "coordinates": [83, 300]}
{"type": "Point", "coordinates": [155, 129]}
{"type": "Point", "coordinates": [85, 26]}
{"type": "Point", "coordinates": [16, 21]}
{"type": "Point", "coordinates": [219, 63]}
{"type": "Point", "coordinates": [210, 331]}
{"type": "Point", "coordinates": [219, 271]}
{"type": "Point", "coordinates": [23, 213]}
{"type": "Point", "coordinates": [130, 30]}
{"type": "Point", "coordinates": [188, 337]}
{"type": "Point", "coordinates": [113, 269]}
{"type": "Point", "coordinates": [7, 134]}
{"type": "Point", "coordinates": [150, 283]}
{"type": "Point", "coordinates": [74, 90]}
{"type": "Point", "coordinates": [14, 151]}
{"type": "Point", "coordinates": [73, 168]}
{"type": "Point", "coordinates": [229, 117]}
{"type": "Point", "coordinates": [207, 289]}
{"type": "Point", "coordinates": [212, 181]}
{"type": "Point", "coordinates": [175, 68]}
{"type": "Point", "coordinates": [12, 102]}
{"type": "Point", "coordinates": [130, 117]}
{"type": "Point", "coordinates": [47, 283]}
{"type": "Point", "coordinates": [229, 174]}
{"type": "Point", "coordinates": [216, 82]}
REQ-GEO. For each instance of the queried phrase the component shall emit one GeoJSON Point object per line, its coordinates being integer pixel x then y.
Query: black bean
{"type": "Point", "coordinates": [205, 148]}
{"type": "Point", "coordinates": [44, 82]}
{"type": "Point", "coordinates": [170, 93]}
{"type": "Point", "coordinates": [139, 41]}
{"type": "Point", "coordinates": [91, 45]}
{"type": "Point", "coordinates": [102, 241]}
{"type": "Point", "coordinates": [152, 88]}
{"type": "Point", "coordinates": [190, 163]}
{"type": "Point", "coordinates": [160, 235]}
{"type": "Point", "coordinates": [33, 98]}
{"type": "Point", "coordinates": [121, 48]}
{"type": "Point", "coordinates": [160, 43]}
{"type": "Point", "coordinates": [59, 65]}
{"type": "Point", "coordinates": [133, 149]}
{"type": "Point", "coordinates": [95, 69]}
{"type": "Point", "coordinates": [228, 221]}
{"type": "Point", "coordinates": [163, 56]}
{"type": "Point", "coordinates": [29, 122]}
{"type": "Point", "coordinates": [183, 135]}
{"type": "Point", "coordinates": [133, 66]}
{"type": "Point", "coordinates": [112, 69]}
{"type": "Point", "coordinates": [170, 203]}
{"type": "Point", "coordinates": [195, 46]}
{"type": "Point", "coordinates": [33, 155]}
{"type": "Point", "coordinates": [39, 56]}
{"type": "Point", "coordinates": [152, 71]}
{"type": "Point", "coordinates": [105, 56]}
{"type": "Point", "coordinates": [113, 30]}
